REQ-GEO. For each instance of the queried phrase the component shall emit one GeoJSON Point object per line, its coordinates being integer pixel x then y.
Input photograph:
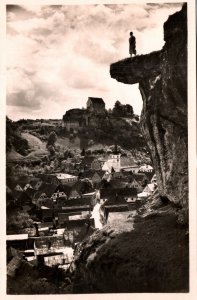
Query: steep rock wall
{"type": "Point", "coordinates": [153, 256]}
{"type": "Point", "coordinates": [162, 77]}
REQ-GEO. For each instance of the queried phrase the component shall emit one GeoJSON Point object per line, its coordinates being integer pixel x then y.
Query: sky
{"type": "Point", "coordinates": [59, 55]}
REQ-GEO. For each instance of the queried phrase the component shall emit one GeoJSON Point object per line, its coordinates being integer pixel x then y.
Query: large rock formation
{"type": "Point", "coordinates": [162, 78]}
{"type": "Point", "coordinates": [153, 256]}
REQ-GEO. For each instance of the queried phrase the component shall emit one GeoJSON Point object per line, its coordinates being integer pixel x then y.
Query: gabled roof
{"type": "Point", "coordinates": [35, 181]}
{"type": "Point", "coordinates": [126, 161]}
{"type": "Point", "coordinates": [140, 177]}
{"type": "Point", "coordinates": [134, 180]}
{"type": "Point", "coordinates": [116, 200]}
{"type": "Point", "coordinates": [82, 187]}
{"type": "Point", "coordinates": [87, 174]}
{"type": "Point", "coordinates": [103, 184]}
{"type": "Point", "coordinates": [118, 182]}
{"type": "Point", "coordinates": [66, 189]}
{"type": "Point", "coordinates": [48, 189]}
{"type": "Point", "coordinates": [88, 160]}
{"type": "Point", "coordinates": [149, 175]}
{"type": "Point", "coordinates": [90, 173]}
{"type": "Point", "coordinates": [111, 192]}
{"type": "Point", "coordinates": [22, 183]}
{"type": "Point", "coordinates": [78, 202]}
{"type": "Point", "coordinates": [30, 192]}
{"type": "Point", "coordinates": [101, 173]}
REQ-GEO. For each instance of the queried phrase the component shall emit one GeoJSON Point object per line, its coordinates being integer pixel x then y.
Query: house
{"type": "Point", "coordinates": [30, 192]}
{"type": "Point", "coordinates": [17, 241]}
{"type": "Point", "coordinates": [128, 163]}
{"type": "Point", "coordinates": [36, 184]}
{"type": "Point", "coordinates": [154, 179]}
{"type": "Point", "coordinates": [135, 184]}
{"type": "Point", "coordinates": [27, 186]}
{"type": "Point", "coordinates": [111, 164]}
{"type": "Point", "coordinates": [52, 250]}
{"type": "Point", "coordinates": [89, 198]}
{"type": "Point", "coordinates": [93, 176]}
{"type": "Point", "coordinates": [133, 169]}
{"type": "Point", "coordinates": [141, 178]}
{"type": "Point", "coordinates": [119, 183]}
{"type": "Point", "coordinates": [47, 214]}
{"type": "Point", "coordinates": [95, 105]}
{"type": "Point", "coordinates": [118, 174]}
{"type": "Point", "coordinates": [22, 186]}
{"type": "Point", "coordinates": [83, 200]}
{"type": "Point", "coordinates": [71, 210]}
{"type": "Point", "coordinates": [46, 203]}
{"type": "Point", "coordinates": [97, 177]}
{"type": "Point", "coordinates": [146, 169]}
{"type": "Point", "coordinates": [66, 178]}
{"type": "Point", "coordinates": [78, 189]}
{"type": "Point", "coordinates": [119, 195]}
{"type": "Point", "coordinates": [26, 199]}
{"type": "Point", "coordinates": [64, 217]}
{"type": "Point", "coordinates": [49, 178]}
{"type": "Point", "coordinates": [48, 191]}
{"type": "Point", "coordinates": [90, 163]}
{"type": "Point", "coordinates": [148, 190]}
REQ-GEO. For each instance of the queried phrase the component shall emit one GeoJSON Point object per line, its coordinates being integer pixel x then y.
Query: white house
{"type": "Point", "coordinates": [148, 190]}
{"type": "Point", "coordinates": [66, 178]}
{"type": "Point", "coordinates": [146, 168]}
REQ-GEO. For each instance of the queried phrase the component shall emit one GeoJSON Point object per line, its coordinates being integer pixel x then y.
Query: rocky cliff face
{"type": "Point", "coordinates": [153, 255]}
{"type": "Point", "coordinates": [162, 78]}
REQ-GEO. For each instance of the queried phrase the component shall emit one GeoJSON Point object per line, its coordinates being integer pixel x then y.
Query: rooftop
{"type": "Point", "coordinates": [15, 237]}
{"type": "Point", "coordinates": [65, 176]}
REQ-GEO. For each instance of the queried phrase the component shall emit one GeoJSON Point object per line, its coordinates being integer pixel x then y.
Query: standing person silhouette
{"type": "Point", "coordinates": [132, 44]}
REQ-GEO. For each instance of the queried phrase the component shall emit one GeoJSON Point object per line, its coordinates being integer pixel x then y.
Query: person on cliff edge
{"type": "Point", "coordinates": [132, 44]}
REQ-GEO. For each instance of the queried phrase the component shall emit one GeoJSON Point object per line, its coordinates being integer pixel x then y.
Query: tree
{"type": "Point", "coordinates": [51, 150]}
{"type": "Point", "coordinates": [17, 221]}
{"type": "Point", "coordinates": [83, 152]}
{"type": "Point", "coordinates": [121, 110]}
{"type": "Point", "coordinates": [117, 110]}
{"type": "Point", "coordinates": [52, 139]}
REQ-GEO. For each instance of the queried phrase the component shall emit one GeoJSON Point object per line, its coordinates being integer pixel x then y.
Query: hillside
{"type": "Point", "coordinates": [107, 131]}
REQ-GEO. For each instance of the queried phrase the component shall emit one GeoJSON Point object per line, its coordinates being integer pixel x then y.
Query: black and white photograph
{"type": "Point", "coordinates": [97, 164]}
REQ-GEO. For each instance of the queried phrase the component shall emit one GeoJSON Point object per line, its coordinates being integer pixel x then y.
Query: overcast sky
{"type": "Point", "coordinates": [58, 56]}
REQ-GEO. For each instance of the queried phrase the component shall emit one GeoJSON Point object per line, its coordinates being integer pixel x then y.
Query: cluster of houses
{"type": "Point", "coordinates": [69, 207]}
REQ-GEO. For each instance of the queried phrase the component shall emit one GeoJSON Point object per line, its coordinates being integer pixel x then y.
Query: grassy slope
{"type": "Point", "coordinates": [37, 147]}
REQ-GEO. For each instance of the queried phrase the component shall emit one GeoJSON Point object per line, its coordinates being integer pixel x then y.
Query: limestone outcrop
{"type": "Point", "coordinates": [154, 255]}
{"type": "Point", "coordinates": [162, 78]}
